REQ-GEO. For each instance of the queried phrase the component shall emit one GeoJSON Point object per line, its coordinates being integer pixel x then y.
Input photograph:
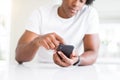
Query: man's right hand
{"type": "Point", "coordinates": [49, 41]}
{"type": "Point", "coordinates": [30, 42]}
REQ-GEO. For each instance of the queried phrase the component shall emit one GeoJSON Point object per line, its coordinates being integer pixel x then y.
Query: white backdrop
{"type": "Point", "coordinates": [109, 10]}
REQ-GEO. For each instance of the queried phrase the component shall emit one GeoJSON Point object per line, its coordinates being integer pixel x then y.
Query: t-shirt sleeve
{"type": "Point", "coordinates": [34, 22]}
{"type": "Point", "coordinates": [93, 22]}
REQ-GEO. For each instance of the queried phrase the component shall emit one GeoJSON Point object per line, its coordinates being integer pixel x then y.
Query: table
{"type": "Point", "coordinates": [50, 71]}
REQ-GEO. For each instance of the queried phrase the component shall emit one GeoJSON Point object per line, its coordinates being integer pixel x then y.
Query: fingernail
{"type": "Point", "coordinates": [59, 52]}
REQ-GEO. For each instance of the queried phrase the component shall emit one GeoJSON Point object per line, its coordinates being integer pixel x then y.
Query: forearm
{"type": "Point", "coordinates": [30, 42]}
{"type": "Point", "coordinates": [91, 48]}
{"type": "Point", "coordinates": [88, 57]}
{"type": "Point", "coordinates": [26, 52]}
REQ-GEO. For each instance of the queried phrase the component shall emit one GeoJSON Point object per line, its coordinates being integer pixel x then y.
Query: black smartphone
{"type": "Point", "coordinates": [66, 49]}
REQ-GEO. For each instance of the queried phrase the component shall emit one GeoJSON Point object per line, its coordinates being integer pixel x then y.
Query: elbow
{"type": "Point", "coordinates": [20, 57]}
{"type": "Point", "coordinates": [93, 60]}
{"type": "Point", "coordinates": [18, 61]}
{"type": "Point", "coordinates": [21, 60]}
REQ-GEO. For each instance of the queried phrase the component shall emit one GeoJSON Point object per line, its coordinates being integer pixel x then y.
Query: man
{"type": "Point", "coordinates": [75, 22]}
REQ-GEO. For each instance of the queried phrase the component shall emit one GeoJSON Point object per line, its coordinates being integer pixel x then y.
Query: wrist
{"type": "Point", "coordinates": [37, 42]}
{"type": "Point", "coordinates": [77, 63]}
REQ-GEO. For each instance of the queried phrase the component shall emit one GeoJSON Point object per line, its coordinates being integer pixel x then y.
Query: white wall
{"type": "Point", "coordinates": [21, 9]}
{"type": "Point", "coordinates": [109, 10]}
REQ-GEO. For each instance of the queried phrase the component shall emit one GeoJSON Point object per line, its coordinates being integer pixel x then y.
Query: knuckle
{"type": "Point", "coordinates": [47, 37]}
{"type": "Point", "coordinates": [43, 41]}
{"type": "Point", "coordinates": [53, 33]}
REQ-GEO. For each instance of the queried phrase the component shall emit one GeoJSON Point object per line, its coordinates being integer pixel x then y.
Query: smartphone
{"type": "Point", "coordinates": [66, 49]}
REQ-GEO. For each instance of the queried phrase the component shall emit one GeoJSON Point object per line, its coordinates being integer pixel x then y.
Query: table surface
{"type": "Point", "coordinates": [50, 71]}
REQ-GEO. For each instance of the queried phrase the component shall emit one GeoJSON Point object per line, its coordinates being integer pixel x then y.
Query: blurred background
{"type": "Point", "coordinates": [15, 13]}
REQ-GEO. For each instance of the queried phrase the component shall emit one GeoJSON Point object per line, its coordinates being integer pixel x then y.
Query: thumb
{"type": "Point", "coordinates": [74, 54]}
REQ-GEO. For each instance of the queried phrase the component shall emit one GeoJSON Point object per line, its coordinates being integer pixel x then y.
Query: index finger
{"type": "Point", "coordinates": [59, 38]}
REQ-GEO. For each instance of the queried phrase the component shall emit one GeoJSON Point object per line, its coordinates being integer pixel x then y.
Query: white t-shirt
{"type": "Point", "coordinates": [72, 30]}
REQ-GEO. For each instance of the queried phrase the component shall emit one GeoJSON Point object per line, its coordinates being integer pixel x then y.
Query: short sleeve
{"type": "Point", "coordinates": [34, 22]}
{"type": "Point", "coordinates": [93, 22]}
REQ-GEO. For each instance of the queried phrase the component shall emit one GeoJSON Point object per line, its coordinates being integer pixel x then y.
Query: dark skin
{"type": "Point", "coordinates": [30, 42]}
{"type": "Point", "coordinates": [91, 42]}
{"type": "Point", "coordinates": [91, 45]}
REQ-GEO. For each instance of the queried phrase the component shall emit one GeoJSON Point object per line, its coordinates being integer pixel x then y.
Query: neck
{"type": "Point", "coordinates": [62, 13]}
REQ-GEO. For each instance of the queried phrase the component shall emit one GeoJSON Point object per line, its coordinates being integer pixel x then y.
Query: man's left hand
{"type": "Point", "coordinates": [63, 61]}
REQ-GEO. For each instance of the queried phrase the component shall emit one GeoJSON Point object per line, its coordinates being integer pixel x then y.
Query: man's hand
{"type": "Point", "coordinates": [49, 41]}
{"type": "Point", "coordinates": [61, 60]}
